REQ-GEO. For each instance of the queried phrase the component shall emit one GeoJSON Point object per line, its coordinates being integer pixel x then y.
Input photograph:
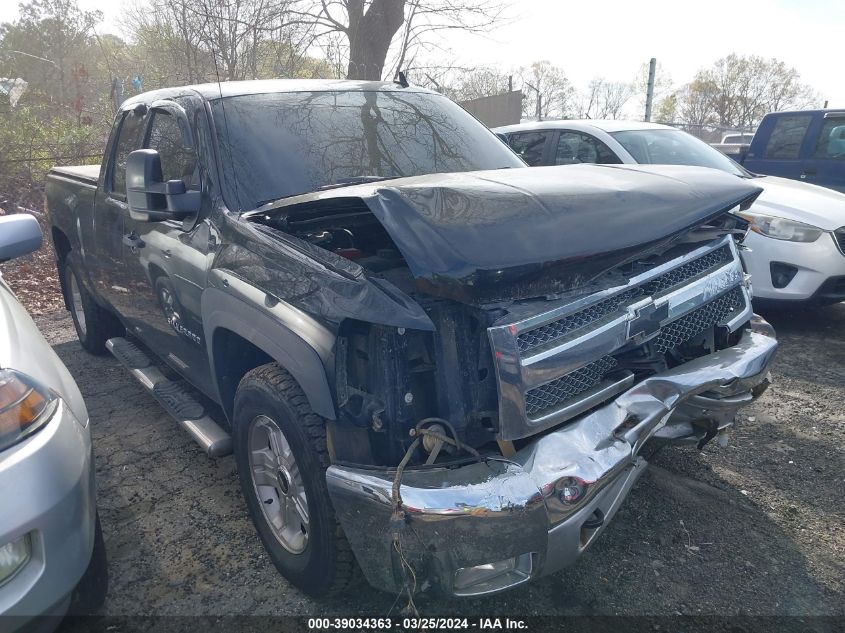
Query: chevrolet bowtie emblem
{"type": "Point", "coordinates": [644, 321]}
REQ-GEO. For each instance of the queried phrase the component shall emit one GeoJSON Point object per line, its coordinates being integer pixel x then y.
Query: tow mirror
{"type": "Point", "coordinates": [149, 197]}
{"type": "Point", "coordinates": [19, 235]}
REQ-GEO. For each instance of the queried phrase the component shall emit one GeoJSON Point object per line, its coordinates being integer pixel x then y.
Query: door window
{"type": "Point", "coordinates": [577, 147]}
{"type": "Point", "coordinates": [787, 136]}
{"type": "Point", "coordinates": [171, 141]}
{"type": "Point", "coordinates": [832, 140]}
{"type": "Point", "coordinates": [529, 145]}
{"type": "Point", "coordinates": [128, 140]}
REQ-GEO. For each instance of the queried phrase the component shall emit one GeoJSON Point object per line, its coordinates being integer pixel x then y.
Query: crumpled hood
{"type": "Point", "coordinates": [795, 200]}
{"type": "Point", "coordinates": [491, 228]}
{"type": "Point", "coordinates": [453, 225]}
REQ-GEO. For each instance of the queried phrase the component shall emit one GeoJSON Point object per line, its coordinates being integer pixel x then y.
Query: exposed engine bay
{"type": "Point", "coordinates": [391, 383]}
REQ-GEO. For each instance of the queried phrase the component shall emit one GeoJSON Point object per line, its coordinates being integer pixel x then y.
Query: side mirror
{"type": "Point", "coordinates": [19, 235]}
{"type": "Point", "coordinates": [149, 197]}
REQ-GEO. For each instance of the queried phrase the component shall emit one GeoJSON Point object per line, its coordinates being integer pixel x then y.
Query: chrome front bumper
{"type": "Point", "coordinates": [482, 513]}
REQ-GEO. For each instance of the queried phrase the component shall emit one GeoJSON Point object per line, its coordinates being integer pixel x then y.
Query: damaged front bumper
{"type": "Point", "coordinates": [488, 526]}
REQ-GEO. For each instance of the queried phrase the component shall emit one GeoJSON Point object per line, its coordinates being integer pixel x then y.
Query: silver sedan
{"type": "Point", "coordinates": [52, 556]}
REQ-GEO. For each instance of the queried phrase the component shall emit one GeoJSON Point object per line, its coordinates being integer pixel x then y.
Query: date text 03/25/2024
{"type": "Point", "coordinates": [416, 623]}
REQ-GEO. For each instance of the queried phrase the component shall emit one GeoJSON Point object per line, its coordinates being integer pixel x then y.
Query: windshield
{"type": "Point", "coordinates": [674, 147]}
{"type": "Point", "coordinates": [280, 145]}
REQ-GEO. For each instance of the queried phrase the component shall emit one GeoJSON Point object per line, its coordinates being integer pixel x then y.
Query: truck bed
{"type": "Point", "coordinates": [88, 174]}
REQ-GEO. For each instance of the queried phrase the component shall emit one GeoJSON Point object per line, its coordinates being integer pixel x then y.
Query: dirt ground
{"type": "Point", "coordinates": [757, 528]}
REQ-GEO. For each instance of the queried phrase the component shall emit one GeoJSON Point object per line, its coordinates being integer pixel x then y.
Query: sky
{"type": "Point", "coordinates": [613, 38]}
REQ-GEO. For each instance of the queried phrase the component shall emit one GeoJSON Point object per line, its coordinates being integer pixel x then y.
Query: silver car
{"type": "Point", "coordinates": [52, 557]}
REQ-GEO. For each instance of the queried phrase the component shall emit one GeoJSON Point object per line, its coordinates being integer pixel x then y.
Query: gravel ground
{"type": "Point", "coordinates": [757, 528]}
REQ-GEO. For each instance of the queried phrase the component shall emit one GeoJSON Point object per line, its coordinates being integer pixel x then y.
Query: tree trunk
{"type": "Point", "coordinates": [370, 35]}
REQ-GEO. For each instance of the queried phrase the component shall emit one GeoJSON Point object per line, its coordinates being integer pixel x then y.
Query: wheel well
{"type": "Point", "coordinates": [155, 273]}
{"type": "Point", "coordinates": [233, 357]}
{"type": "Point", "coordinates": [61, 244]}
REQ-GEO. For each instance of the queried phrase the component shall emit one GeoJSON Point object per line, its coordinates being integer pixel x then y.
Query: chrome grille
{"type": "Point", "coordinates": [689, 326]}
{"type": "Point", "coordinates": [559, 392]}
{"type": "Point", "coordinates": [591, 315]}
{"type": "Point", "coordinates": [682, 274]}
{"type": "Point", "coordinates": [553, 394]}
{"type": "Point", "coordinates": [554, 364]}
{"type": "Point", "coordinates": [595, 314]}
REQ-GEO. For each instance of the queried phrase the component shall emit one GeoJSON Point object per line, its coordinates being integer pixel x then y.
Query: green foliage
{"type": "Point", "coordinates": [62, 117]}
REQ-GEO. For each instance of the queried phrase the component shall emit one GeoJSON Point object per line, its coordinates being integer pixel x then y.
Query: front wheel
{"type": "Point", "coordinates": [281, 455]}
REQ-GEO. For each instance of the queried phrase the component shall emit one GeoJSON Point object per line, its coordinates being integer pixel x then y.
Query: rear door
{"type": "Point", "coordinates": [573, 147]}
{"type": "Point", "coordinates": [532, 146]}
{"type": "Point", "coordinates": [167, 262]}
{"type": "Point", "coordinates": [826, 163]}
{"type": "Point", "coordinates": [781, 155]}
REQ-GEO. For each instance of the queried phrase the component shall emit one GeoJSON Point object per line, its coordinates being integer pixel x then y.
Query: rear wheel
{"type": "Point", "coordinates": [281, 454]}
{"type": "Point", "coordinates": [94, 324]}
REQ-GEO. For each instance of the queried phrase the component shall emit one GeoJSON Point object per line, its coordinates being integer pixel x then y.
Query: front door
{"type": "Point", "coordinates": [167, 262]}
{"type": "Point", "coordinates": [103, 245]}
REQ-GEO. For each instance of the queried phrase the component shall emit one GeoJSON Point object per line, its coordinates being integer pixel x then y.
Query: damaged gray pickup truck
{"type": "Point", "coordinates": [431, 362]}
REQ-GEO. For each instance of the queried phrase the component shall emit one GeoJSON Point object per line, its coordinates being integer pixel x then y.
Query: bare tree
{"type": "Point", "coordinates": [696, 99]}
{"type": "Point", "coordinates": [666, 110]}
{"type": "Point", "coordinates": [738, 90]}
{"type": "Point", "coordinates": [199, 40]}
{"type": "Point", "coordinates": [547, 91]}
{"type": "Point", "coordinates": [605, 99]}
{"type": "Point", "coordinates": [461, 83]}
{"type": "Point", "coordinates": [374, 28]}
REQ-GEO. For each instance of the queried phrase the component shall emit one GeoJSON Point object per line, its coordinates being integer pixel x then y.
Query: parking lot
{"type": "Point", "coordinates": [756, 528]}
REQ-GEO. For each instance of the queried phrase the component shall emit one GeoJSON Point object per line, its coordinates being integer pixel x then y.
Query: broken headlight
{"type": "Point", "coordinates": [781, 228]}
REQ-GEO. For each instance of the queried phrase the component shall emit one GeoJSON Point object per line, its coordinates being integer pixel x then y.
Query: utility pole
{"type": "Point", "coordinates": [539, 99]}
{"type": "Point", "coordinates": [649, 96]}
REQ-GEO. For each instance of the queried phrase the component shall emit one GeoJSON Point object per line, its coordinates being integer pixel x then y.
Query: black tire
{"type": "Point", "coordinates": [90, 594]}
{"type": "Point", "coordinates": [326, 565]}
{"type": "Point", "coordinates": [99, 324]}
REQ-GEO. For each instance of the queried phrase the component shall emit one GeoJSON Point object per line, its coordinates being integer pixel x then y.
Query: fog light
{"type": "Point", "coordinates": [13, 556]}
{"type": "Point", "coordinates": [782, 274]}
{"type": "Point", "coordinates": [571, 490]}
{"type": "Point", "coordinates": [471, 581]}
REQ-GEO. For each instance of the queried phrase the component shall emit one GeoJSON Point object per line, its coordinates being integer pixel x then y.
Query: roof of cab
{"type": "Point", "coordinates": [824, 111]}
{"type": "Point", "coordinates": [225, 89]}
